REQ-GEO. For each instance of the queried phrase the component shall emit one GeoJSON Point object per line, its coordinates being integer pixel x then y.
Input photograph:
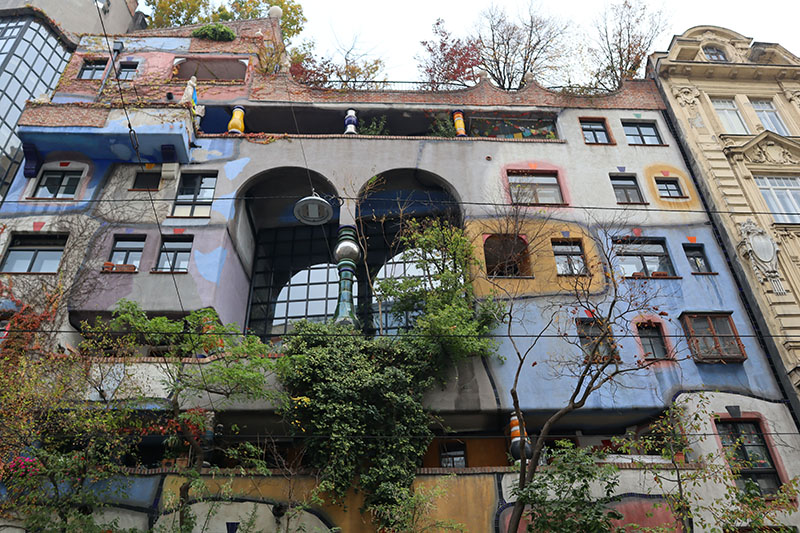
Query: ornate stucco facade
{"type": "Point", "coordinates": [736, 106]}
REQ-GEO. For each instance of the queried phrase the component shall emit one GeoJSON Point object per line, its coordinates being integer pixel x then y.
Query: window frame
{"type": "Point", "coordinates": [640, 136]}
{"type": "Point", "coordinates": [758, 422]}
{"type": "Point", "coordinates": [127, 251]}
{"type": "Point", "coordinates": [662, 336]}
{"type": "Point", "coordinates": [91, 66]}
{"type": "Point", "coordinates": [173, 261]}
{"type": "Point", "coordinates": [603, 123]}
{"type": "Point", "coordinates": [773, 116]}
{"type": "Point", "coordinates": [195, 201]}
{"type": "Point", "coordinates": [694, 342]}
{"type": "Point", "coordinates": [31, 246]}
{"type": "Point", "coordinates": [146, 173]}
{"type": "Point", "coordinates": [634, 185]}
{"type": "Point", "coordinates": [586, 338]}
{"type": "Point", "coordinates": [718, 55]}
{"type": "Point", "coordinates": [725, 116]}
{"type": "Point", "coordinates": [124, 67]}
{"type": "Point", "coordinates": [670, 181]}
{"type": "Point", "coordinates": [694, 250]}
{"type": "Point", "coordinates": [64, 177]}
{"type": "Point", "coordinates": [633, 241]}
{"type": "Point", "coordinates": [570, 255]}
{"type": "Point", "coordinates": [521, 178]}
{"type": "Point", "coordinates": [454, 454]}
{"type": "Point", "coordinates": [769, 193]}
{"type": "Point", "coordinates": [521, 259]}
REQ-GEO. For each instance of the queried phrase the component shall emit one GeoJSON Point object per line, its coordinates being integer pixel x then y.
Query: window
{"type": "Point", "coordinates": [204, 68]}
{"type": "Point", "coordinates": [58, 184]}
{"type": "Point", "coordinates": [729, 115]}
{"type": "Point", "coordinates": [453, 454]}
{"type": "Point", "coordinates": [652, 338]}
{"type": "Point", "coordinates": [92, 69]}
{"type": "Point", "coordinates": [174, 255]}
{"type": "Point", "coordinates": [527, 188]}
{"type": "Point", "coordinates": [402, 266]}
{"type": "Point", "coordinates": [745, 441]}
{"type": "Point", "coordinates": [127, 250]}
{"type": "Point", "coordinates": [594, 132]}
{"type": "Point", "coordinates": [195, 195]}
{"type": "Point", "coordinates": [669, 188]}
{"type": "Point", "coordinates": [782, 196]}
{"type": "Point", "coordinates": [147, 181]}
{"type": "Point", "coordinates": [569, 258]}
{"type": "Point", "coordinates": [641, 133]}
{"type": "Point", "coordinates": [713, 53]}
{"type": "Point", "coordinates": [34, 253]}
{"type": "Point", "coordinates": [712, 337]}
{"type": "Point", "coordinates": [506, 256]}
{"type": "Point", "coordinates": [696, 255]}
{"type": "Point", "coordinates": [127, 70]}
{"type": "Point", "coordinates": [596, 341]}
{"type": "Point", "coordinates": [769, 116]}
{"type": "Point", "coordinates": [626, 190]}
{"type": "Point", "coordinates": [643, 258]}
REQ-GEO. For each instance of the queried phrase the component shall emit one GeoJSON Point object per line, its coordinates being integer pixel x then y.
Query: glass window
{"type": "Point", "coordinates": [174, 255]}
{"type": "Point", "coordinates": [147, 181]}
{"type": "Point", "coordinates": [127, 250]}
{"type": "Point", "coordinates": [745, 443]}
{"type": "Point", "coordinates": [453, 454]}
{"type": "Point", "coordinates": [527, 188]}
{"type": "Point", "coordinates": [669, 188]}
{"type": "Point", "coordinates": [34, 253]}
{"type": "Point", "coordinates": [58, 184]}
{"type": "Point", "coordinates": [626, 190]}
{"type": "Point", "coordinates": [506, 256]}
{"type": "Point", "coordinates": [729, 115]}
{"type": "Point", "coordinates": [713, 53]}
{"type": "Point", "coordinates": [652, 338]}
{"type": "Point", "coordinates": [643, 257]}
{"type": "Point", "coordinates": [712, 337]}
{"type": "Point", "coordinates": [696, 255]}
{"type": "Point", "coordinates": [401, 266]}
{"type": "Point", "coordinates": [769, 116]}
{"type": "Point", "coordinates": [782, 196]}
{"type": "Point", "coordinates": [195, 195]}
{"type": "Point", "coordinates": [594, 132]}
{"type": "Point", "coordinates": [570, 260]}
{"type": "Point", "coordinates": [596, 341]}
{"type": "Point", "coordinates": [92, 69]}
{"type": "Point", "coordinates": [641, 133]}
{"type": "Point", "coordinates": [127, 70]}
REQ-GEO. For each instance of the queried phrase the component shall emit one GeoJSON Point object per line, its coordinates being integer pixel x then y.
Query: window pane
{"type": "Point", "coordinates": [17, 260]}
{"type": "Point", "coordinates": [47, 261]}
{"type": "Point", "coordinates": [704, 337]}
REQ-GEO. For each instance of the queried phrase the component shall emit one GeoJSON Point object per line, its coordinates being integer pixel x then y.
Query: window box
{"type": "Point", "coordinates": [660, 274]}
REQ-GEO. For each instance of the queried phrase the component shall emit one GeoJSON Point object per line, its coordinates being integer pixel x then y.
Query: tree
{"type": "Point", "coordinates": [625, 33]}
{"type": "Point", "coordinates": [448, 59]}
{"type": "Point", "coordinates": [348, 69]}
{"type": "Point", "coordinates": [168, 13]}
{"type": "Point", "coordinates": [511, 51]}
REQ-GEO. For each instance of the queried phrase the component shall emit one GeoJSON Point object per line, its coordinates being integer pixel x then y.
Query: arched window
{"type": "Point", "coordinates": [403, 265]}
{"type": "Point", "coordinates": [506, 256]}
{"type": "Point", "coordinates": [714, 53]}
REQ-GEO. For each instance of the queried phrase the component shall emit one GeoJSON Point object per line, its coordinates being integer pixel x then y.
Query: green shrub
{"type": "Point", "coordinates": [214, 32]}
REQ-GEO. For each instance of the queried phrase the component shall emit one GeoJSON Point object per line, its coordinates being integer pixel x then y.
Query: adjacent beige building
{"type": "Point", "coordinates": [736, 106]}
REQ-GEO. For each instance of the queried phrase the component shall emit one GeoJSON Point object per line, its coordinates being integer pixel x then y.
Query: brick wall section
{"type": "Point", "coordinates": [243, 28]}
{"type": "Point", "coordinates": [55, 115]}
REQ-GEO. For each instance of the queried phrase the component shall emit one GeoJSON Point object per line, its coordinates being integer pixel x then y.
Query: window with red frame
{"type": "Point", "coordinates": [745, 444]}
{"type": "Point", "coordinates": [652, 337]}
{"type": "Point", "coordinates": [713, 337]}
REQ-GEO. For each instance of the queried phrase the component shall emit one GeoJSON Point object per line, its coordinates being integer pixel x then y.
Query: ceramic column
{"type": "Point", "coordinates": [346, 254]}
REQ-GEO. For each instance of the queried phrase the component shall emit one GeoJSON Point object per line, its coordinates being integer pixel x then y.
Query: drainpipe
{"type": "Point", "coordinates": [118, 46]}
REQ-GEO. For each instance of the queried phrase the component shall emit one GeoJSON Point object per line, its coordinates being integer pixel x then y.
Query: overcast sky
{"type": "Point", "coordinates": [392, 30]}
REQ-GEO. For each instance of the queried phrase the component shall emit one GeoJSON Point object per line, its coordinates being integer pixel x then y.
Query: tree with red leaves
{"type": "Point", "coordinates": [448, 60]}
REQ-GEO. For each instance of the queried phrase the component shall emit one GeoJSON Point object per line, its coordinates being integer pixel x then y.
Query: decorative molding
{"type": "Point", "coordinates": [686, 95]}
{"type": "Point", "coordinates": [793, 96]}
{"type": "Point", "coordinates": [769, 152]}
{"type": "Point", "coordinates": [762, 251]}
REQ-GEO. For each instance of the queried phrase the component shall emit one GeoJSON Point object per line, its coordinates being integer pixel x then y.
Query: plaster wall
{"type": "Point", "coordinates": [79, 16]}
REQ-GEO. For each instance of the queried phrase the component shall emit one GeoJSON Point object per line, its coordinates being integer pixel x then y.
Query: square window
{"type": "Point", "coordinates": [626, 190]}
{"type": "Point", "coordinates": [782, 195]}
{"type": "Point", "coordinates": [127, 250]}
{"type": "Point", "coordinates": [453, 454]}
{"type": "Point", "coordinates": [745, 444]}
{"type": "Point", "coordinates": [570, 260]}
{"type": "Point", "coordinates": [195, 195]}
{"type": "Point", "coordinates": [641, 132]}
{"type": "Point", "coordinates": [640, 257]}
{"type": "Point", "coordinates": [58, 184]}
{"type": "Point", "coordinates": [147, 181]}
{"type": "Point", "coordinates": [127, 70]}
{"type": "Point", "coordinates": [696, 255]}
{"type": "Point", "coordinates": [92, 69]}
{"type": "Point", "coordinates": [506, 256]}
{"type": "Point", "coordinates": [528, 188]}
{"type": "Point", "coordinates": [652, 338]}
{"type": "Point", "coordinates": [729, 116]}
{"type": "Point", "coordinates": [594, 132]}
{"type": "Point", "coordinates": [174, 255]}
{"type": "Point", "coordinates": [669, 188]}
{"type": "Point", "coordinates": [596, 341]}
{"type": "Point", "coordinates": [34, 253]}
{"type": "Point", "coordinates": [712, 337]}
{"type": "Point", "coordinates": [713, 53]}
{"type": "Point", "coordinates": [769, 116]}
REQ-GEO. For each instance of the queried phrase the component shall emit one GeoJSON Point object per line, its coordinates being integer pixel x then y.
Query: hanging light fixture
{"type": "Point", "coordinates": [313, 210]}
